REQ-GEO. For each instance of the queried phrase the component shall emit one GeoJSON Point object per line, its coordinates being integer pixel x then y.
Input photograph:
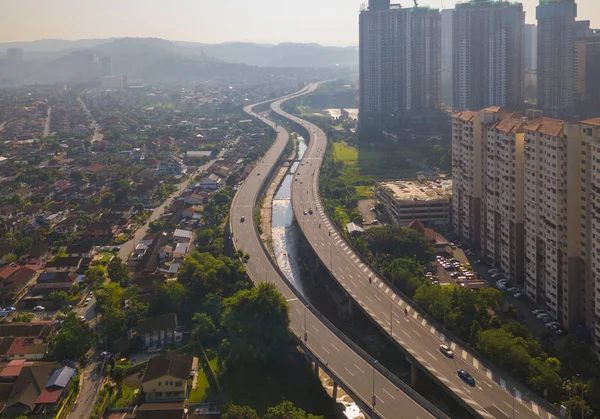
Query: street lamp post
{"type": "Point", "coordinates": [513, 414]}
{"type": "Point", "coordinates": [391, 320]}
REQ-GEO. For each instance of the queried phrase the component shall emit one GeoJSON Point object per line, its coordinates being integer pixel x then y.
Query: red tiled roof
{"type": "Point", "coordinates": [8, 270]}
{"type": "Point", "coordinates": [22, 346]}
{"type": "Point", "coordinates": [96, 167]}
{"type": "Point", "coordinates": [49, 395]}
{"type": "Point", "coordinates": [593, 121]}
{"type": "Point", "coordinates": [13, 369]}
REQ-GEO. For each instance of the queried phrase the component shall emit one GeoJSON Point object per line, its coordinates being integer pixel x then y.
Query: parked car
{"type": "Point", "coordinates": [497, 276]}
{"type": "Point", "coordinates": [11, 308]}
{"type": "Point", "coordinates": [560, 331]}
{"type": "Point", "coordinates": [500, 286]}
{"type": "Point", "coordinates": [242, 219]}
{"type": "Point", "coordinates": [466, 377]}
{"type": "Point", "coordinates": [512, 289]}
{"type": "Point", "coordinates": [39, 308]}
{"type": "Point", "coordinates": [493, 271]}
{"type": "Point", "coordinates": [310, 211]}
{"type": "Point", "coordinates": [538, 311]}
{"type": "Point", "coordinates": [446, 351]}
{"type": "Point", "coordinates": [519, 296]}
{"type": "Point", "coordinates": [305, 212]}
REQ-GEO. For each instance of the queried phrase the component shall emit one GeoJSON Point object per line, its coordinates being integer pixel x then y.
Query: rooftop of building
{"type": "Point", "coordinates": [547, 126]}
{"type": "Point", "coordinates": [419, 190]}
{"type": "Point", "coordinates": [510, 125]}
{"type": "Point", "coordinates": [466, 115]}
{"type": "Point", "coordinates": [594, 121]}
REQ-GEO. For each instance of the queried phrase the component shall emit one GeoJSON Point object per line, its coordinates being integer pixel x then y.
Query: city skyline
{"type": "Point", "coordinates": [330, 23]}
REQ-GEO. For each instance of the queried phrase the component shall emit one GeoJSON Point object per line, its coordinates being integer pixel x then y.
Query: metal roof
{"type": "Point", "coordinates": [61, 377]}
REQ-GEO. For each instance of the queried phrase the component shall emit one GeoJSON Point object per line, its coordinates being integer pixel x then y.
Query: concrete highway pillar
{"type": "Point", "coordinates": [414, 373]}
{"type": "Point", "coordinates": [316, 369]}
{"type": "Point", "coordinates": [334, 392]}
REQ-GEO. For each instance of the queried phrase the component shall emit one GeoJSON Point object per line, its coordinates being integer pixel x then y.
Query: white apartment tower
{"type": "Point", "coordinates": [556, 56]}
{"type": "Point", "coordinates": [503, 191]}
{"type": "Point", "coordinates": [400, 60]}
{"type": "Point", "coordinates": [488, 69]}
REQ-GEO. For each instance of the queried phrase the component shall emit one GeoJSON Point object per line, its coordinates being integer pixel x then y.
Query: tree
{"type": "Point", "coordinates": [107, 199]}
{"type": "Point", "coordinates": [256, 321]}
{"type": "Point", "coordinates": [240, 412]}
{"type": "Point", "coordinates": [24, 317]}
{"type": "Point", "coordinates": [205, 329]}
{"type": "Point", "coordinates": [74, 338]}
{"type": "Point", "coordinates": [117, 270]}
{"type": "Point", "coordinates": [406, 274]}
{"type": "Point", "coordinates": [167, 297]}
{"type": "Point", "coordinates": [59, 297]}
{"type": "Point", "coordinates": [77, 175]}
{"type": "Point", "coordinates": [545, 375]}
{"type": "Point", "coordinates": [96, 275]}
{"type": "Point", "coordinates": [287, 410]}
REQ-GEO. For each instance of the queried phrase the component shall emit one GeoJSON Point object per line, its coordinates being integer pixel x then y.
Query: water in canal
{"type": "Point", "coordinates": [286, 239]}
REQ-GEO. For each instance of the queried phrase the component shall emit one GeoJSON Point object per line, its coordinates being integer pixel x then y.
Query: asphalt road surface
{"type": "Point", "coordinates": [348, 365]}
{"type": "Point", "coordinates": [494, 395]}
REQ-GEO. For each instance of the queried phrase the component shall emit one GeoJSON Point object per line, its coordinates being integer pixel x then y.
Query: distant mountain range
{"type": "Point", "coordinates": [53, 60]}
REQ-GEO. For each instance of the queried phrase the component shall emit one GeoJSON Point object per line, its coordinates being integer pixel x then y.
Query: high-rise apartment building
{"type": "Point", "coordinates": [556, 56]}
{"type": "Point", "coordinates": [447, 79]}
{"type": "Point", "coordinates": [589, 135]}
{"type": "Point", "coordinates": [487, 54]}
{"type": "Point", "coordinates": [530, 46]}
{"type": "Point", "coordinates": [587, 68]}
{"type": "Point", "coordinates": [400, 61]}
{"type": "Point", "coordinates": [106, 66]}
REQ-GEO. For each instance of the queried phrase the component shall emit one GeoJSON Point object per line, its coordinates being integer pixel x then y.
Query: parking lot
{"type": "Point", "coordinates": [549, 338]}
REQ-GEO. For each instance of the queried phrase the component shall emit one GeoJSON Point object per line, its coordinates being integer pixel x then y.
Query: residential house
{"type": "Point", "coordinates": [167, 377]}
{"type": "Point", "coordinates": [11, 225]}
{"type": "Point", "coordinates": [80, 250]}
{"type": "Point", "coordinates": [211, 182]}
{"type": "Point", "coordinates": [168, 410]}
{"type": "Point", "coordinates": [52, 281]}
{"type": "Point", "coordinates": [195, 199]}
{"type": "Point", "coordinates": [32, 211]}
{"type": "Point", "coordinates": [29, 348]}
{"type": "Point", "coordinates": [64, 264]}
{"type": "Point", "coordinates": [221, 170]}
{"type": "Point", "coordinates": [67, 226]}
{"type": "Point", "coordinates": [8, 211]}
{"type": "Point", "coordinates": [180, 250]}
{"type": "Point", "coordinates": [183, 236]}
{"type": "Point", "coordinates": [37, 254]}
{"type": "Point", "coordinates": [55, 387]}
{"type": "Point", "coordinates": [28, 387]}
{"type": "Point", "coordinates": [8, 270]}
{"type": "Point", "coordinates": [165, 252]}
{"type": "Point", "coordinates": [159, 332]}
{"type": "Point", "coordinates": [438, 241]}
{"type": "Point", "coordinates": [100, 230]}
{"type": "Point", "coordinates": [148, 239]}
{"type": "Point", "coordinates": [195, 212]}
{"type": "Point", "coordinates": [171, 166]}
{"type": "Point", "coordinates": [6, 252]}
{"type": "Point", "coordinates": [50, 219]}
{"type": "Point", "coordinates": [15, 285]}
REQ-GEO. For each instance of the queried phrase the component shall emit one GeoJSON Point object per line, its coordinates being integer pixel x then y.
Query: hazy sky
{"type": "Point", "coordinates": [330, 22]}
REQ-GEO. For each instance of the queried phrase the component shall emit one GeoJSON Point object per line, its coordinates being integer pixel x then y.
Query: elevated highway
{"type": "Point", "coordinates": [494, 395]}
{"type": "Point", "coordinates": [372, 387]}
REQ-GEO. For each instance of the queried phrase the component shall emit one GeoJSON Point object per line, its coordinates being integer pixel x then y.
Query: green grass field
{"type": "Point", "coordinates": [365, 192]}
{"type": "Point", "coordinates": [202, 389]}
{"type": "Point", "coordinates": [343, 153]}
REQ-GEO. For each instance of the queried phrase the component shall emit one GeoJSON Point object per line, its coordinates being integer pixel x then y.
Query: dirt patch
{"type": "Point", "coordinates": [365, 205]}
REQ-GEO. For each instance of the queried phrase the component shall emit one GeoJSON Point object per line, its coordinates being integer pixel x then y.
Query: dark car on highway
{"type": "Point", "coordinates": [466, 377]}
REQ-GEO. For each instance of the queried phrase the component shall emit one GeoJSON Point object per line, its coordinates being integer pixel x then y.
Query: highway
{"type": "Point", "coordinates": [350, 369]}
{"type": "Point", "coordinates": [494, 395]}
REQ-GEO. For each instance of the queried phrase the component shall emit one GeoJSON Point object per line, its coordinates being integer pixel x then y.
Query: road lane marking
{"type": "Point", "coordinates": [325, 349]}
{"type": "Point", "coordinates": [386, 392]}
{"type": "Point", "coordinates": [416, 333]}
{"type": "Point", "coordinates": [476, 363]}
{"type": "Point", "coordinates": [453, 346]}
{"type": "Point", "coordinates": [535, 408]}
{"type": "Point", "coordinates": [313, 326]}
{"type": "Point", "coordinates": [431, 355]}
{"type": "Point", "coordinates": [358, 368]}
{"type": "Point", "coordinates": [334, 347]}
{"type": "Point", "coordinates": [511, 407]}
{"type": "Point", "coordinates": [349, 372]}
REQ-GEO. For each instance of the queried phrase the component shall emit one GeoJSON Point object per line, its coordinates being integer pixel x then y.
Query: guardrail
{"type": "Point", "coordinates": [428, 406]}
{"type": "Point", "coordinates": [484, 361]}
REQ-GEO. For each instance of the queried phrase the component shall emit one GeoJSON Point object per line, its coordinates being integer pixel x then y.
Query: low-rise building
{"type": "Point", "coordinates": [427, 201]}
{"type": "Point", "coordinates": [171, 166]}
{"type": "Point", "coordinates": [183, 236]}
{"type": "Point", "coordinates": [167, 377]}
{"type": "Point", "coordinates": [212, 182]}
{"type": "Point", "coordinates": [159, 332]}
{"type": "Point", "coordinates": [64, 264]}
